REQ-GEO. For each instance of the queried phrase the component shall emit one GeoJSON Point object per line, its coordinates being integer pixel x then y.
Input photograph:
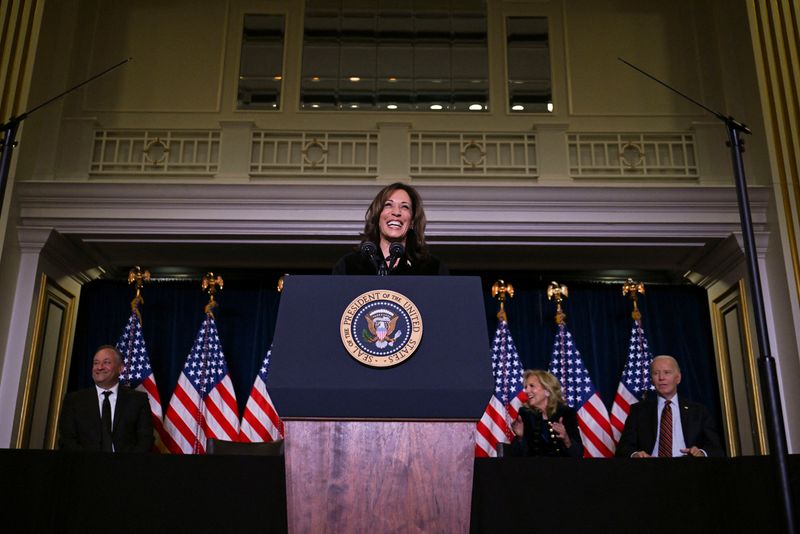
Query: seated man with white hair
{"type": "Point", "coordinates": [664, 425]}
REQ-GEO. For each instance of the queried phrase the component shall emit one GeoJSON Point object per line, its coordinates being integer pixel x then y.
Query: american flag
{"type": "Point", "coordinates": [635, 380]}
{"type": "Point", "coordinates": [260, 421]}
{"type": "Point", "coordinates": [138, 374]}
{"type": "Point", "coordinates": [203, 404]}
{"type": "Point", "coordinates": [593, 422]}
{"type": "Point", "coordinates": [495, 425]}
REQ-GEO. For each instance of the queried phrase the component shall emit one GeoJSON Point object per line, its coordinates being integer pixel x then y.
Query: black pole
{"type": "Point", "coordinates": [7, 148]}
{"type": "Point", "coordinates": [11, 127]}
{"type": "Point", "coordinates": [766, 363]}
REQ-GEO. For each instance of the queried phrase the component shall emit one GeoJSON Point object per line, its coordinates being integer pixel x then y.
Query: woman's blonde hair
{"type": "Point", "coordinates": [550, 384]}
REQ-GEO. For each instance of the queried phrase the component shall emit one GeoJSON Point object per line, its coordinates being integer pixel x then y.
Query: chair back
{"type": "Point", "coordinates": [270, 448]}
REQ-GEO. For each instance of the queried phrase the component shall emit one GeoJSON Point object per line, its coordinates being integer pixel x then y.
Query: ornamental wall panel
{"type": "Point", "coordinates": [155, 152]}
{"type": "Point", "coordinates": [478, 154]}
{"type": "Point", "coordinates": [335, 154]}
{"type": "Point", "coordinates": [633, 155]}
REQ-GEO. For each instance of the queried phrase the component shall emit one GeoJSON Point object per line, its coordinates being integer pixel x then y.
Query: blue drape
{"type": "Point", "coordinates": [675, 319]}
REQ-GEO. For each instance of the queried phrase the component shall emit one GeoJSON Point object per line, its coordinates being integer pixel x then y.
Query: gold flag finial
{"type": "Point", "coordinates": [280, 282]}
{"type": "Point", "coordinates": [140, 277]}
{"type": "Point", "coordinates": [210, 283]}
{"type": "Point", "coordinates": [559, 293]}
{"type": "Point", "coordinates": [500, 290]}
{"type": "Point", "coordinates": [632, 289]}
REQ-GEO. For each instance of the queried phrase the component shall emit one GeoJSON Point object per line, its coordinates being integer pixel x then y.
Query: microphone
{"type": "Point", "coordinates": [369, 250]}
{"type": "Point", "coordinates": [396, 250]}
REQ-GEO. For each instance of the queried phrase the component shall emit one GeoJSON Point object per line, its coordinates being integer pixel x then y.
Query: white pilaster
{"type": "Point", "coordinates": [235, 146]}
{"type": "Point", "coordinates": [393, 152]}
{"type": "Point", "coordinates": [31, 242]}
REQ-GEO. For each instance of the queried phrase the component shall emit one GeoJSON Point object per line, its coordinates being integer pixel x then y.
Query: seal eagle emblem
{"type": "Point", "coordinates": [381, 328]}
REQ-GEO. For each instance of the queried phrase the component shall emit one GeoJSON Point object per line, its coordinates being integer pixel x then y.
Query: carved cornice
{"type": "Point", "coordinates": [329, 211]}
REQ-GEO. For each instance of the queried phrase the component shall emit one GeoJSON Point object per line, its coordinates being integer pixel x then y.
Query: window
{"type": "Point", "coordinates": [261, 65]}
{"type": "Point", "coordinates": [392, 55]}
{"type": "Point", "coordinates": [528, 49]}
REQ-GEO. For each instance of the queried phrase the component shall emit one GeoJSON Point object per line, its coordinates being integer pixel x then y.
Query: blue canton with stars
{"type": "Point", "coordinates": [134, 352]}
{"type": "Point", "coordinates": [506, 366]}
{"type": "Point", "coordinates": [636, 374]}
{"type": "Point", "coordinates": [205, 366]}
{"type": "Point", "coordinates": [567, 366]}
{"type": "Point", "coordinates": [264, 370]}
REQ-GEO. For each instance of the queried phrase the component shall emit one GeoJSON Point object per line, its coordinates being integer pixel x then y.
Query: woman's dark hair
{"type": "Point", "coordinates": [416, 249]}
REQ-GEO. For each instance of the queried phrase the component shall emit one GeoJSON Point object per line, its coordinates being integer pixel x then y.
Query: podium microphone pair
{"type": "Point", "coordinates": [369, 249]}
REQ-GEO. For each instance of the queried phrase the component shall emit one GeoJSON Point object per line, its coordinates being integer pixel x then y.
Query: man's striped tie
{"type": "Point", "coordinates": [665, 432]}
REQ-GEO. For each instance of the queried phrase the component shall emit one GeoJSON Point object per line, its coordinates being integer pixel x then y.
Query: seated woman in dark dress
{"type": "Point", "coordinates": [546, 426]}
{"type": "Point", "coordinates": [395, 215]}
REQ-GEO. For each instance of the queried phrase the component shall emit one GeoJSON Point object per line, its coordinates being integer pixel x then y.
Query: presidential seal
{"type": "Point", "coordinates": [381, 328]}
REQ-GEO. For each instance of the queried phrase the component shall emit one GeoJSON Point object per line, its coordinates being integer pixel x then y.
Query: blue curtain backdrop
{"type": "Point", "coordinates": [675, 319]}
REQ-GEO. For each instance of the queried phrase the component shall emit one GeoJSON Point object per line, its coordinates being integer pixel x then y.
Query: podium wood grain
{"type": "Point", "coordinates": [376, 476]}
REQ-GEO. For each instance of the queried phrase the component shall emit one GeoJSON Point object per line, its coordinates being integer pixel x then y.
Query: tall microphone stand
{"type": "Point", "coordinates": [11, 127]}
{"type": "Point", "coordinates": [766, 363]}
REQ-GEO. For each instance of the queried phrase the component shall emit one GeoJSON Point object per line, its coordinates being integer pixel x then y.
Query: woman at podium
{"type": "Point", "coordinates": [546, 426]}
{"type": "Point", "coordinates": [393, 240]}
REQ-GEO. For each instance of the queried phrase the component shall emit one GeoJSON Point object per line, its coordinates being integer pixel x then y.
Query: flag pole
{"type": "Point", "coordinates": [209, 285]}
{"type": "Point", "coordinates": [140, 277]}
{"type": "Point", "coordinates": [501, 290]}
{"type": "Point", "coordinates": [633, 290]}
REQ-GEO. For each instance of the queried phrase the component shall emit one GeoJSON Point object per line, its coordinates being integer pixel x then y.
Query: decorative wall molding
{"type": "Point", "coordinates": [311, 153]}
{"type": "Point", "coordinates": [632, 155]}
{"type": "Point", "coordinates": [470, 211]}
{"type": "Point", "coordinates": [469, 154]}
{"type": "Point", "coordinates": [654, 156]}
{"type": "Point", "coordinates": [155, 152]}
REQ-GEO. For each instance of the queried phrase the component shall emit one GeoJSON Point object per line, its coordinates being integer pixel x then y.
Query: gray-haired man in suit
{"type": "Point", "coordinates": [666, 425]}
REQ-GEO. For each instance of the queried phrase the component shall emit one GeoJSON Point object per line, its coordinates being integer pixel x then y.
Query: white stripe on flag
{"type": "Point", "coordinates": [595, 428]}
{"type": "Point", "coordinates": [619, 414]}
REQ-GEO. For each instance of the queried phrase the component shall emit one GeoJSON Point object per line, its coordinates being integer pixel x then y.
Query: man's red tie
{"type": "Point", "coordinates": [665, 432]}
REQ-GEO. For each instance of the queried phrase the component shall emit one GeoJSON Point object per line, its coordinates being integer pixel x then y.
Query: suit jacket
{"type": "Point", "coordinates": [641, 427]}
{"type": "Point", "coordinates": [357, 263]}
{"type": "Point", "coordinates": [80, 428]}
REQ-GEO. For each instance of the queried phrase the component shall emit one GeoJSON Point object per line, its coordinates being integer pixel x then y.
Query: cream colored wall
{"type": "Point", "coordinates": [186, 63]}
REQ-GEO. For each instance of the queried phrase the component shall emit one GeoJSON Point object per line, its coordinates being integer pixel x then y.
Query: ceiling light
{"type": "Point", "coordinates": [314, 105]}
{"type": "Point", "coordinates": [315, 78]}
{"type": "Point", "coordinates": [550, 107]}
{"type": "Point", "coordinates": [392, 79]}
{"type": "Point", "coordinates": [517, 107]}
{"type": "Point", "coordinates": [391, 106]}
{"type": "Point", "coordinates": [355, 79]}
{"type": "Point", "coordinates": [354, 106]}
{"type": "Point", "coordinates": [475, 107]}
{"type": "Point", "coordinates": [436, 106]}
{"type": "Point", "coordinates": [277, 77]}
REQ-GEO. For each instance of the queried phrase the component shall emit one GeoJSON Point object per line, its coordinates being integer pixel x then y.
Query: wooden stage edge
{"type": "Point", "coordinates": [379, 476]}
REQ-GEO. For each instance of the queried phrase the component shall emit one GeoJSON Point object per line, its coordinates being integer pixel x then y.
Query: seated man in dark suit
{"type": "Point", "coordinates": [107, 417]}
{"type": "Point", "coordinates": [663, 425]}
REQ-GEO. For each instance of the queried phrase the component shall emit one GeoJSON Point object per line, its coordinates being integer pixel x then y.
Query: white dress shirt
{"type": "Point", "coordinates": [111, 398]}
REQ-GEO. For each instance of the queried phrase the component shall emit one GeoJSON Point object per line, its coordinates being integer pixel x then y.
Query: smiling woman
{"type": "Point", "coordinates": [393, 241]}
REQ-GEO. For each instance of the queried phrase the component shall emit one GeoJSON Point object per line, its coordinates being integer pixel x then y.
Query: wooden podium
{"type": "Point", "coordinates": [380, 449]}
